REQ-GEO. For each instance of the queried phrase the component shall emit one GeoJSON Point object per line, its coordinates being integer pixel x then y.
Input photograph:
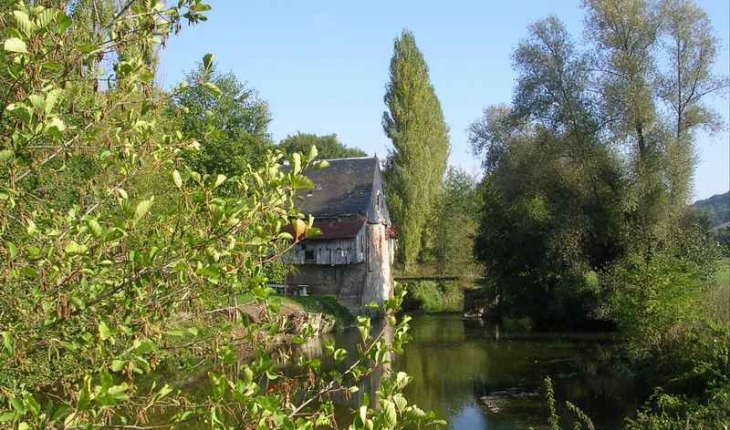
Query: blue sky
{"type": "Point", "coordinates": [322, 65]}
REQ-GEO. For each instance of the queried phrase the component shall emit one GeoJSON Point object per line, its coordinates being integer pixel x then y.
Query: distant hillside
{"type": "Point", "coordinates": [716, 207]}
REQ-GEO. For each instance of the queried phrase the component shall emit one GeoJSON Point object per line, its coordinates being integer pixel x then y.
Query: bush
{"type": "Point", "coordinates": [651, 299]}
{"type": "Point", "coordinates": [432, 296]}
{"type": "Point", "coordinates": [692, 373]}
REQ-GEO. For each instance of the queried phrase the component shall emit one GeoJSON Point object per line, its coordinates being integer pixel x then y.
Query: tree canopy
{"type": "Point", "coordinates": [230, 122]}
{"type": "Point", "coordinates": [329, 146]}
{"type": "Point", "coordinates": [419, 135]}
{"type": "Point", "coordinates": [592, 162]}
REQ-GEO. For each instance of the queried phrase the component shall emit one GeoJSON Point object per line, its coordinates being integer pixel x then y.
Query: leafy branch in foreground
{"type": "Point", "coordinates": [123, 267]}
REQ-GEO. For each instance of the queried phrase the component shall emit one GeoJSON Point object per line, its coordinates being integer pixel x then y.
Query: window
{"type": "Point", "coordinates": [309, 256]}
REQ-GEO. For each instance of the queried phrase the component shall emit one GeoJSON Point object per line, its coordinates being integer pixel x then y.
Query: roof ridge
{"type": "Point", "coordinates": [351, 158]}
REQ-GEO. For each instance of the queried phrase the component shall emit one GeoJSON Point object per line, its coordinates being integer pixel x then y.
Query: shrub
{"type": "Point", "coordinates": [432, 296]}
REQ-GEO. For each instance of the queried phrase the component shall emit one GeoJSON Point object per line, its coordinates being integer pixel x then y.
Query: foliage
{"type": "Point", "coordinates": [329, 146]}
{"type": "Point", "coordinates": [716, 207]}
{"type": "Point", "coordinates": [103, 286]}
{"type": "Point", "coordinates": [692, 373]}
{"type": "Point", "coordinates": [718, 295]}
{"type": "Point", "coordinates": [433, 296]}
{"type": "Point", "coordinates": [651, 297]}
{"type": "Point", "coordinates": [553, 417]}
{"type": "Point", "coordinates": [592, 162]}
{"type": "Point", "coordinates": [228, 120]}
{"type": "Point", "coordinates": [450, 235]}
{"type": "Point", "coordinates": [416, 164]}
{"type": "Point", "coordinates": [722, 235]}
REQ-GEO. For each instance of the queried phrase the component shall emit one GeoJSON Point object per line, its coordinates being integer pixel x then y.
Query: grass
{"type": "Point", "coordinates": [719, 296]}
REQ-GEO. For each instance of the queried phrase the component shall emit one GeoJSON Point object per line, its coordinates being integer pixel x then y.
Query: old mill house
{"type": "Point", "coordinates": [352, 257]}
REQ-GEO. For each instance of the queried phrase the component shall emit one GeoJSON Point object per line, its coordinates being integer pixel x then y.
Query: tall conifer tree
{"type": "Point", "coordinates": [415, 124]}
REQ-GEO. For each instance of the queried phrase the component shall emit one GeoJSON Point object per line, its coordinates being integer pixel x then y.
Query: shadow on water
{"type": "Point", "coordinates": [456, 363]}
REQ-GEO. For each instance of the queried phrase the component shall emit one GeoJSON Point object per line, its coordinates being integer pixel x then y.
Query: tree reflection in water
{"type": "Point", "coordinates": [454, 363]}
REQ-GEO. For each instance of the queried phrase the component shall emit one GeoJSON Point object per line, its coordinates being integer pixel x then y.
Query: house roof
{"type": "Point", "coordinates": [342, 189]}
{"type": "Point", "coordinates": [338, 228]}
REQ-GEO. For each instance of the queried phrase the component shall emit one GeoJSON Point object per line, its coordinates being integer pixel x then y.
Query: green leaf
{"type": "Point", "coordinates": [145, 347]}
{"type": "Point", "coordinates": [142, 208]}
{"type": "Point", "coordinates": [12, 249]}
{"type": "Point", "coordinates": [321, 164]}
{"type": "Point", "coordinates": [38, 101]}
{"type": "Point", "coordinates": [212, 89]}
{"type": "Point", "coordinates": [118, 365]}
{"type": "Point", "coordinates": [21, 111]}
{"type": "Point", "coordinates": [95, 227]}
{"type": "Point", "coordinates": [23, 22]}
{"type": "Point", "coordinates": [389, 413]}
{"type": "Point", "coordinates": [219, 180]}
{"type": "Point", "coordinates": [104, 331]}
{"type": "Point", "coordinates": [7, 416]}
{"type": "Point", "coordinates": [46, 17]}
{"type": "Point", "coordinates": [119, 391]}
{"type": "Point", "coordinates": [296, 163]}
{"type": "Point", "coordinates": [17, 405]}
{"type": "Point", "coordinates": [164, 391]}
{"type": "Point", "coordinates": [301, 182]}
{"type": "Point", "coordinates": [64, 22]}
{"type": "Point", "coordinates": [56, 127]}
{"type": "Point", "coordinates": [52, 98]}
{"type": "Point", "coordinates": [340, 355]}
{"type": "Point", "coordinates": [14, 44]}
{"type": "Point", "coordinates": [7, 342]}
{"type": "Point", "coordinates": [6, 154]}
{"type": "Point", "coordinates": [73, 248]}
{"type": "Point", "coordinates": [208, 62]}
{"type": "Point", "coordinates": [177, 178]}
{"type": "Point", "coordinates": [312, 153]}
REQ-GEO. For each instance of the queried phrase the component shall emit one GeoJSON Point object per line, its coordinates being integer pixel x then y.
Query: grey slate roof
{"type": "Point", "coordinates": [348, 187]}
{"type": "Point", "coordinates": [343, 189]}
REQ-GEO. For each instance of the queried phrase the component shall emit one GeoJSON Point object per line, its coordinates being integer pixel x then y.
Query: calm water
{"type": "Point", "coordinates": [455, 363]}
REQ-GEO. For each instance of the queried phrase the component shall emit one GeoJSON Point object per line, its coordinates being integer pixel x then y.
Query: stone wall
{"type": "Point", "coordinates": [379, 285]}
{"type": "Point", "coordinates": [344, 280]}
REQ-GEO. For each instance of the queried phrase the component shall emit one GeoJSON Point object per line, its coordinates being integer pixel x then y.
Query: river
{"type": "Point", "coordinates": [455, 363]}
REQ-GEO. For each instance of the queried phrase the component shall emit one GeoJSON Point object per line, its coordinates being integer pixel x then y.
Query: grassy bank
{"type": "Point", "coordinates": [326, 305]}
{"type": "Point", "coordinates": [433, 296]}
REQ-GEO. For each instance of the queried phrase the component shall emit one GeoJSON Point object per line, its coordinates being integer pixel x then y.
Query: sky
{"type": "Point", "coordinates": [322, 65]}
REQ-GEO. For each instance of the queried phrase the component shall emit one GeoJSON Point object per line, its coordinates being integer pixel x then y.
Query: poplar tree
{"type": "Point", "coordinates": [416, 163]}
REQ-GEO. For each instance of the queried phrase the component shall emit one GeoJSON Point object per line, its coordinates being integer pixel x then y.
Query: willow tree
{"type": "Point", "coordinates": [593, 160]}
{"type": "Point", "coordinates": [415, 125]}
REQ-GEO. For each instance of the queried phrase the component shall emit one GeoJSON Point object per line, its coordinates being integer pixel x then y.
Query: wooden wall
{"type": "Point", "coordinates": [331, 252]}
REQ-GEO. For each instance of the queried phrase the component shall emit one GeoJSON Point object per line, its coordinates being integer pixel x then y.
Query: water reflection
{"type": "Point", "coordinates": [454, 363]}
